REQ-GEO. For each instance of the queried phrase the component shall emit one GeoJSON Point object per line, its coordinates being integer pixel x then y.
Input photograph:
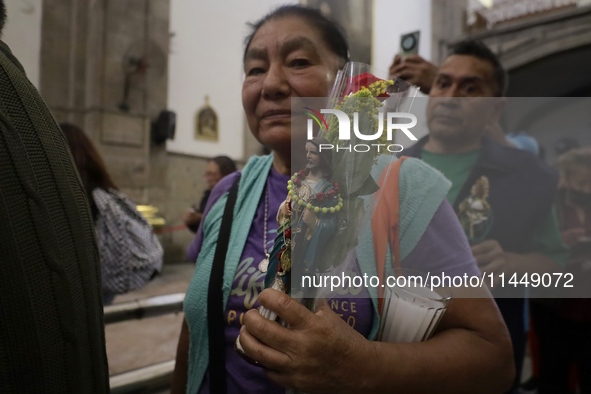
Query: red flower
{"type": "Point", "coordinates": [321, 196]}
{"type": "Point", "coordinates": [302, 174]}
{"type": "Point", "coordinates": [360, 81]}
{"type": "Point", "coordinates": [331, 193]}
{"type": "Point", "coordinates": [297, 181]}
{"type": "Point", "coordinates": [280, 253]}
{"type": "Point", "coordinates": [287, 233]}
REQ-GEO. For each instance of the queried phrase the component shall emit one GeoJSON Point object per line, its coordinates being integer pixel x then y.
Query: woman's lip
{"type": "Point", "coordinates": [276, 114]}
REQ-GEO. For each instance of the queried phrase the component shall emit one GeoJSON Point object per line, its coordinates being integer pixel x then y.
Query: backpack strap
{"type": "Point", "coordinates": [385, 222]}
{"type": "Point", "coordinates": [215, 298]}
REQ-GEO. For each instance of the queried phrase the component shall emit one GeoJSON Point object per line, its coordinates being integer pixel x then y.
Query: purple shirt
{"type": "Point", "coordinates": [443, 247]}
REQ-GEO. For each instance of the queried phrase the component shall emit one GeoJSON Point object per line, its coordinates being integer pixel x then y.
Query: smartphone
{"type": "Point", "coordinates": [409, 44]}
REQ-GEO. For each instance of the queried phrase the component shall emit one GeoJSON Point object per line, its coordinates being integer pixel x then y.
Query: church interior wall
{"type": "Point", "coordinates": [23, 34]}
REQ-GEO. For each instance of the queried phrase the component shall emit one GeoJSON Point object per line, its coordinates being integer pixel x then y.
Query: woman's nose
{"type": "Point", "coordinates": [276, 84]}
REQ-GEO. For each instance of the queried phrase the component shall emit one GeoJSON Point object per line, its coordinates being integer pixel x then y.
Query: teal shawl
{"type": "Point", "coordinates": [422, 189]}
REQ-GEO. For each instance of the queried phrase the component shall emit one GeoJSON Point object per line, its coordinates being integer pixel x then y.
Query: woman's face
{"type": "Point", "coordinates": [286, 58]}
{"type": "Point", "coordinates": [212, 174]}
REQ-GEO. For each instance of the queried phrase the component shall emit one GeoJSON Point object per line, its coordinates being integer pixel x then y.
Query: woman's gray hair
{"type": "Point", "coordinates": [330, 31]}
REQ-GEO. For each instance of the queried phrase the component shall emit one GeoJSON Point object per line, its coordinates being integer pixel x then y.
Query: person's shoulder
{"type": "Point", "coordinates": [529, 173]}
{"type": "Point", "coordinates": [422, 188]}
{"type": "Point", "coordinates": [10, 56]}
{"type": "Point", "coordinates": [528, 164]}
{"type": "Point", "coordinates": [415, 177]}
{"type": "Point", "coordinates": [418, 172]}
{"type": "Point", "coordinates": [523, 141]}
{"type": "Point", "coordinates": [223, 186]}
{"type": "Point", "coordinates": [419, 183]}
{"type": "Point", "coordinates": [413, 164]}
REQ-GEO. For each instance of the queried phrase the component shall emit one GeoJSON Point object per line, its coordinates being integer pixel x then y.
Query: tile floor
{"type": "Point", "coordinates": [138, 343]}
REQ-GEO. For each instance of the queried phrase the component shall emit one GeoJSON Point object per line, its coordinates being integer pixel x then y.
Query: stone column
{"type": "Point", "coordinates": [448, 24]}
{"type": "Point", "coordinates": [88, 47]}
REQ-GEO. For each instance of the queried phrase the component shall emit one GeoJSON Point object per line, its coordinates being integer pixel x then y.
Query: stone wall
{"type": "Point", "coordinates": [22, 33]}
{"type": "Point", "coordinates": [518, 42]}
{"type": "Point", "coordinates": [82, 79]}
{"type": "Point", "coordinates": [184, 187]}
{"type": "Point", "coordinates": [85, 49]}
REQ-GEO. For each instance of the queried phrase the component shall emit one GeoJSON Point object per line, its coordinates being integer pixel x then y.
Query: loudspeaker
{"type": "Point", "coordinates": [163, 127]}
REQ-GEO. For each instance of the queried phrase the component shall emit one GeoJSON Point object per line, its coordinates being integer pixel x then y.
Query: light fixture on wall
{"type": "Point", "coordinates": [486, 3]}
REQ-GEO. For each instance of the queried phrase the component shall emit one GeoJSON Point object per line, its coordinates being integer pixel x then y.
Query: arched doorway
{"type": "Point", "coordinates": [562, 74]}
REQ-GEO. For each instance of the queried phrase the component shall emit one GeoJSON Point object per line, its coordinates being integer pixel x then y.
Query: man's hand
{"type": "Point", "coordinates": [319, 352]}
{"type": "Point", "coordinates": [491, 259]}
{"type": "Point", "coordinates": [415, 70]}
{"type": "Point", "coordinates": [572, 236]}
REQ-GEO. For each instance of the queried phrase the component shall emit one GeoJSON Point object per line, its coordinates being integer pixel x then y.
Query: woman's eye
{"type": "Point", "coordinates": [299, 63]}
{"type": "Point", "coordinates": [255, 71]}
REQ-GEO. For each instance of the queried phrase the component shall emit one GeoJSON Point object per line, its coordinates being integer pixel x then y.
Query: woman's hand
{"type": "Point", "coordinates": [471, 351]}
{"type": "Point", "coordinates": [319, 352]}
{"type": "Point", "coordinates": [191, 217]}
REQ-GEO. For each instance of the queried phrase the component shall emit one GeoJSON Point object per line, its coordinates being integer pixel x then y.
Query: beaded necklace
{"type": "Point", "coordinates": [296, 181]}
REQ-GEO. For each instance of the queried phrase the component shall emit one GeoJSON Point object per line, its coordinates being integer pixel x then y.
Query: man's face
{"type": "Point", "coordinates": [579, 179]}
{"type": "Point", "coordinates": [462, 102]}
{"type": "Point", "coordinates": [312, 156]}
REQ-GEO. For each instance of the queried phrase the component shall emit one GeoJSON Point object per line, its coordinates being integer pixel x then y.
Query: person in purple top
{"type": "Point", "coordinates": [296, 52]}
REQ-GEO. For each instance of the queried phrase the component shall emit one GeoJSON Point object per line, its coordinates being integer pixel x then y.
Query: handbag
{"type": "Point", "coordinates": [215, 298]}
{"type": "Point", "coordinates": [130, 252]}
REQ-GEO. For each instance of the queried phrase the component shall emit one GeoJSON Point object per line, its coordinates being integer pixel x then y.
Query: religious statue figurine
{"type": "Point", "coordinates": [306, 219]}
{"type": "Point", "coordinates": [475, 212]}
{"type": "Point", "coordinates": [316, 199]}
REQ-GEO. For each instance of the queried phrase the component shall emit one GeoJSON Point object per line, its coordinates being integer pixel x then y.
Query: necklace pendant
{"type": "Point", "coordinates": [264, 264]}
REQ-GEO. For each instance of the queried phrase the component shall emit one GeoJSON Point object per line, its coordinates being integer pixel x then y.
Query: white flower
{"type": "Point", "coordinates": [478, 205]}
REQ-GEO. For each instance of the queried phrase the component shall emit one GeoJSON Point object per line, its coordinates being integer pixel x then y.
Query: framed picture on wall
{"type": "Point", "coordinates": [356, 19]}
{"type": "Point", "coordinates": [206, 123]}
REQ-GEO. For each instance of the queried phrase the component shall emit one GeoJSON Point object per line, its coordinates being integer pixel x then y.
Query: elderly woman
{"type": "Point", "coordinates": [296, 52]}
